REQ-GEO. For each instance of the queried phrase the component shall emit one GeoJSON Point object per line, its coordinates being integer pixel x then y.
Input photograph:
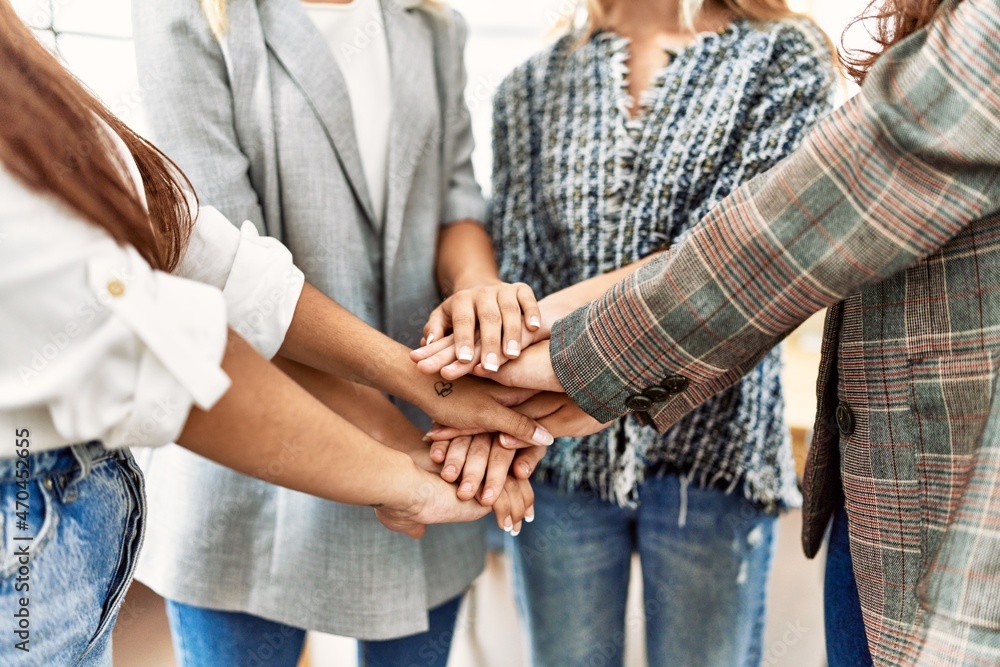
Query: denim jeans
{"type": "Point", "coordinates": [82, 530]}
{"type": "Point", "coordinates": [211, 638]}
{"type": "Point", "coordinates": [846, 641]}
{"type": "Point", "coordinates": [705, 558]}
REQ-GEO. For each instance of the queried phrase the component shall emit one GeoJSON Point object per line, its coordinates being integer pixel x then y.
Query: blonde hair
{"type": "Point", "coordinates": [215, 12]}
{"type": "Point", "coordinates": [754, 10]}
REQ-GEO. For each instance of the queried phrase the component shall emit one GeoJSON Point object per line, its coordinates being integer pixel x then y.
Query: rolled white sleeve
{"type": "Point", "coordinates": [96, 345]}
{"type": "Point", "coordinates": [260, 283]}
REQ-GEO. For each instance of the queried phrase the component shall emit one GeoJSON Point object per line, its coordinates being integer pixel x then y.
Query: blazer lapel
{"type": "Point", "coordinates": [307, 58]}
{"type": "Point", "coordinates": [414, 91]}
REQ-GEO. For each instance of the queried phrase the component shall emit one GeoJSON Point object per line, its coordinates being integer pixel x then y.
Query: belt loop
{"type": "Point", "coordinates": [83, 456]}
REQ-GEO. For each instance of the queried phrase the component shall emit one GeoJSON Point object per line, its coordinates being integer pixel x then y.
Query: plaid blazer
{"type": "Point", "coordinates": [891, 211]}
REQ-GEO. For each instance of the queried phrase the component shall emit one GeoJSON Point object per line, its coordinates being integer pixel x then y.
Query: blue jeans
{"type": "Point", "coordinates": [704, 583]}
{"type": "Point", "coordinates": [71, 524]}
{"type": "Point", "coordinates": [846, 641]}
{"type": "Point", "coordinates": [211, 638]}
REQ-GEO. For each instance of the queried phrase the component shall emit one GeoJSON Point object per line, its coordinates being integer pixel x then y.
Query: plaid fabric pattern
{"type": "Point", "coordinates": [891, 211]}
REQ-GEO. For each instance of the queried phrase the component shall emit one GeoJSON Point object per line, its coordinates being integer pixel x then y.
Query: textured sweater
{"type": "Point", "coordinates": [581, 189]}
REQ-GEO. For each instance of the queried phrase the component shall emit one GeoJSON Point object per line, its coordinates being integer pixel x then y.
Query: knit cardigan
{"type": "Point", "coordinates": [581, 189]}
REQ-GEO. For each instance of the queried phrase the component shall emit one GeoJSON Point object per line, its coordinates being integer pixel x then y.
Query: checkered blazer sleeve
{"type": "Point", "coordinates": [879, 184]}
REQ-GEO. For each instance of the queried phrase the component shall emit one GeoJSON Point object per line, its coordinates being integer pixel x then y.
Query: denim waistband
{"type": "Point", "coordinates": [56, 461]}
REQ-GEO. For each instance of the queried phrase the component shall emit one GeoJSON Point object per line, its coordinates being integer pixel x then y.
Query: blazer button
{"type": "Point", "coordinates": [845, 420]}
{"type": "Point", "coordinates": [657, 394]}
{"type": "Point", "coordinates": [638, 403]}
{"type": "Point", "coordinates": [676, 384]}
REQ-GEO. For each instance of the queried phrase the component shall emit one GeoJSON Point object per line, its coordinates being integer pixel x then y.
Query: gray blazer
{"type": "Point", "coordinates": [262, 126]}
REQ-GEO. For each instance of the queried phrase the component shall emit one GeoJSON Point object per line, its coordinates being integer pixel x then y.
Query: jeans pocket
{"type": "Point", "coordinates": [29, 518]}
{"type": "Point", "coordinates": [130, 478]}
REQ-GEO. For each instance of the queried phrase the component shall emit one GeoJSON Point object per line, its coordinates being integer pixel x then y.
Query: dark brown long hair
{"type": "Point", "coordinates": [54, 138]}
{"type": "Point", "coordinates": [894, 20]}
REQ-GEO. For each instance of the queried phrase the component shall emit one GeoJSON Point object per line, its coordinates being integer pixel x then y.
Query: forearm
{"type": "Point", "coordinates": [364, 407]}
{"type": "Point", "coordinates": [327, 337]}
{"type": "Point", "coordinates": [465, 258]}
{"type": "Point", "coordinates": [560, 304]}
{"type": "Point", "coordinates": [267, 418]}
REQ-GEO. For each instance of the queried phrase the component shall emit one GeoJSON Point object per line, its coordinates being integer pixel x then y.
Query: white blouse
{"type": "Point", "coordinates": [96, 345]}
{"type": "Point", "coordinates": [357, 37]}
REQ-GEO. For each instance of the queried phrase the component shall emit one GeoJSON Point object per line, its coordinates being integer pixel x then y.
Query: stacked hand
{"type": "Point", "coordinates": [499, 333]}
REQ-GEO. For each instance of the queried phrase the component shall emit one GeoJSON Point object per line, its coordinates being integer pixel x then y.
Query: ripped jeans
{"type": "Point", "coordinates": [71, 523]}
{"type": "Point", "coordinates": [704, 582]}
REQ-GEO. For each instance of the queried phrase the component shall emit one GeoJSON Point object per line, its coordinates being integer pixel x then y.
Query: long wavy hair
{"type": "Point", "coordinates": [894, 20]}
{"type": "Point", "coordinates": [54, 138]}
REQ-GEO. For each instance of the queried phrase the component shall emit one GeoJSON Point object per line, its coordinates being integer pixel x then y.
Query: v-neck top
{"type": "Point", "coordinates": [581, 188]}
{"type": "Point", "coordinates": [357, 37]}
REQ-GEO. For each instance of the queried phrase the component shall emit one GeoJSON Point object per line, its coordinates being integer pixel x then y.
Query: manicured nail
{"type": "Point", "coordinates": [427, 438]}
{"type": "Point", "coordinates": [492, 362]}
{"type": "Point", "coordinates": [487, 494]}
{"type": "Point", "coordinates": [507, 525]}
{"type": "Point", "coordinates": [534, 322]}
{"type": "Point", "coordinates": [513, 348]}
{"type": "Point", "coordinates": [542, 437]}
{"type": "Point", "coordinates": [515, 533]}
{"type": "Point", "coordinates": [466, 487]}
{"type": "Point", "coordinates": [529, 514]}
{"type": "Point", "coordinates": [450, 470]}
{"type": "Point", "coordinates": [430, 339]}
{"type": "Point", "coordinates": [465, 354]}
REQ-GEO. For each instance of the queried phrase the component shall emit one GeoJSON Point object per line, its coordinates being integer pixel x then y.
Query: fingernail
{"type": "Point", "coordinates": [450, 470]}
{"type": "Point", "coordinates": [466, 487]}
{"type": "Point", "coordinates": [515, 533]}
{"type": "Point", "coordinates": [507, 525]}
{"type": "Point", "coordinates": [430, 339]}
{"type": "Point", "coordinates": [427, 438]}
{"type": "Point", "coordinates": [492, 362]}
{"type": "Point", "coordinates": [513, 348]}
{"type": "Point", "coordinates": [506, 440]}
{"type": "Point", "coordinates": [534, 321]}
{"type": "Point", "coordinates": [529, 514]}
{"type": "Point", "coordinates": [542, 437]}
{"type": "Point", "coordinates": [465, 354]}
{"type": "Point", "coordinates": [525, 468]}
{"type": "Point", "coordinates": [487, 494]}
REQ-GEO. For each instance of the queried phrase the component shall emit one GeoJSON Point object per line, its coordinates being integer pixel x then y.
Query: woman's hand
{"type": "Point", "coordinates": [487, 323]}
{"type": "Point", "coordinates": [474, 459]}
{"type": "Point", "coordinates": [476, 406]}
{"type": "Point", "coordinates": [532, 370]}
{"type": "Point", "coordinates": [555, 411]}
{"type": "Point", "coordinates": [516, 503]}
{"type": "Point", "coordinates": [440, 357]}
{"type": "Point", "coordinates": [433, 501]}
{"type": "Point", "coordinates": [478, 463]}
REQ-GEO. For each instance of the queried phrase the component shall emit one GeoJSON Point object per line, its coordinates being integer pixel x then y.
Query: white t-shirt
{"type": "Point", "coordinates": [356, 34]}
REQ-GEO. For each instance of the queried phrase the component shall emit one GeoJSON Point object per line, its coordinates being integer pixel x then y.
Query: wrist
{"type": "Point", "coordinates": [471, 280]}
{"type": "Point", "coordinates": [406, 488]}
{"type": "Point", "coordinates": [408, 383]}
